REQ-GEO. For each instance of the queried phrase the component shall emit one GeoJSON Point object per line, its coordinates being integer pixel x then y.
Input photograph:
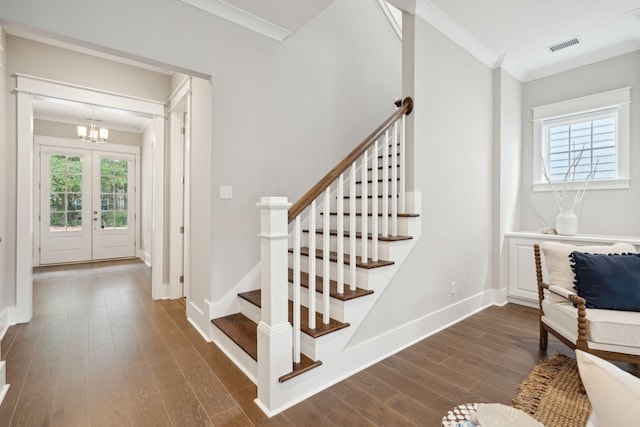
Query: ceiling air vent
{"type": "Point", "coordinates": [564, 44]}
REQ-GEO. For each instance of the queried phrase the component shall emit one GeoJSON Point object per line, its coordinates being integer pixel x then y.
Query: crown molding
{"type": "Point", "coordinates": [241, 17]}
{"type": "Point", "coordinates": [432, 14]}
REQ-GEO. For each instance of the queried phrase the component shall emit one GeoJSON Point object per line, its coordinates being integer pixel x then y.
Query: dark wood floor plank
{"type": "Point", "coordinates": [372, 385]}
{"type": "Point", "coordinates": [245, 398]}
{"type": "Point", "coordinates": [415, 411]}
{"type": "Point", "coordinates": [339, 412]}
{"type": "Point", "coordinates": [100, 351]}
{"type": "Point", "coordinates": [305, 414]}
{"type": "Point", "coordinates": [364, 404]}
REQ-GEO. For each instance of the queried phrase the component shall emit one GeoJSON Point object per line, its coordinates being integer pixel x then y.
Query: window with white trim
{"type": "Point", "coordinates": [583, 139]}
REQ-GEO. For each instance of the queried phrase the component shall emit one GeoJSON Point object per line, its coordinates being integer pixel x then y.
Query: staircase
{"type": "Point", "coordinates": [325, 262]}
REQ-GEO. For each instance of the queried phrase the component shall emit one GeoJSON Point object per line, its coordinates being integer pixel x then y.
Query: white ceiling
{"type": "Point", "coordinates": [520, 31]}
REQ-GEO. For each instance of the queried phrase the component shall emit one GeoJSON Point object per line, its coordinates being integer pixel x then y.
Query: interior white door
{"type": "Point", "coordinates": [65, 218]}
{"type": "Point", "coordinates": [113, 205]}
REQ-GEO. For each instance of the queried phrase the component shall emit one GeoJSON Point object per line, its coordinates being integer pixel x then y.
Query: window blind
{"type": "Point", "coordinates": [588, 140]}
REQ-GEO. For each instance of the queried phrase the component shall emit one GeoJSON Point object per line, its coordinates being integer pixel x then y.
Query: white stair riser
{"type": "Point", "coordinates": [336, 306]}
{"type": "Point", "coordinates": [370, 190]}
{"type": "Point", "coordinates": [404, 224]}
{"type": "Point", "coordinates": [369, 205]}
{"type": "Point", "coordinates": [249, 310]}
{"type": "Point", "coordinates": [361, 273]}
{"type": "Point", "coordinates": [235, 353]}
{"type": "Point", "coordinates": [346, 244]}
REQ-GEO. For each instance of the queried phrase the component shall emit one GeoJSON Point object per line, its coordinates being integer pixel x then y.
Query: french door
{"type": "Point", "coordinates": [87, 205]}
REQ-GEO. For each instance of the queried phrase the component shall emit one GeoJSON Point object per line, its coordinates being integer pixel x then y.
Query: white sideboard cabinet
{"type": "Point", "coordinates": [522, 287]}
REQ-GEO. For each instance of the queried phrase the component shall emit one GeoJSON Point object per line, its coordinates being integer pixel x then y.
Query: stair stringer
{"type": "Point", "coordinates": [339, 359]}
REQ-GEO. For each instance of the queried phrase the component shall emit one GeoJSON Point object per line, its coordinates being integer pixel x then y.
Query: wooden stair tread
{"type": "Point", "coordinates": [244, 332]}
{"type": "Point", "coordinates": [305, 365]}
{"type": "Point", "coordinates": [333, 256]}
{"type": "Point", "coordinates": [380, 167]}
{"type": "Point", "coordinates": [400, 215]}
{"type": "Point", "coordinates": [333, 287]}
{"type": "Point", "coordinates": [380, 196]}
{"type": "Point", "coordinates": [321, 329]}
{"type": "Point", "coordinates": [254, 297]}
{"type": "Point", "coordinates": [241, 330]}
{"type": "Point", "coordinates": [370, 181]}
{"type": "Point", "coordinates": [346, 233]}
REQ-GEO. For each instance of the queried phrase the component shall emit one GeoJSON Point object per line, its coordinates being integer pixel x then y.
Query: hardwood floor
{"type": "Point", "coordinates": [100, 352]}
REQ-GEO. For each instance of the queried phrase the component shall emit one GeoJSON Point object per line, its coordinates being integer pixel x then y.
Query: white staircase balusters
{"type": "Point", "coordinates": [374, 203]}
{"type": "Point", "coordinates": [363, 206]}
{"type": "Point", "coordinates": [340, 236]}
{"type": "Point", "coordinates": [279, 342]}
{"type": "Point", "coordinates": [402, 184]}
{"type": "Point", "coordinates": [394, 181]}
{"type": "Point", "coordinates": [326, 264]}
{"type": "Point", "coordinates": [352, 227]}
{"type": "Point", "coordinates": [311, 270]}
{"type": "Point", "coordinates": [296, 289]}
{"type": "Point", "coordinates": [385, 185]}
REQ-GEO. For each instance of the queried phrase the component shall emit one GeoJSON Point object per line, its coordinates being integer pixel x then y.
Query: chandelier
{"type": "Point", "coordinates": [93, 133]}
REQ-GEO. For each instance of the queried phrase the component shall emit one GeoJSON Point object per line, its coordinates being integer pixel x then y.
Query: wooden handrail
{"type": "Point", "coordinates": [296, 209]}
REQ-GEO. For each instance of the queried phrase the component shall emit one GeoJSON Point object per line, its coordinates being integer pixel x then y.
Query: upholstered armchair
{"type": "Point", "coordinates": [579, 321]}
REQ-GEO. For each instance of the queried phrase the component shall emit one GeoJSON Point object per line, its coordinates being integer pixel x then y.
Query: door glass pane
{"type": "Point", "coordinates": [113, 193]}
{"type": "Point", "coordinates": [65, 201]}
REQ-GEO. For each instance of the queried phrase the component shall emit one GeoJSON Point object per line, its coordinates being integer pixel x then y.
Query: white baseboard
{"type": "Point", "coordinates": [199, 319]}
{"type": "Point", "coordinates": [4, 322]}
{"type": "Point", "coordinates": [4, 387]}
{"type": "Point", "coordinates": [144, 256]}
{"type": "Point", "coordinates": [499, 296]}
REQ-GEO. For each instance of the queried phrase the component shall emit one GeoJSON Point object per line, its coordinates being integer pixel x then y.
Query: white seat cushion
{"type": "Point", "coordinates": [607, 327]}
{"type": "Point", "coordinates": [614, 394]}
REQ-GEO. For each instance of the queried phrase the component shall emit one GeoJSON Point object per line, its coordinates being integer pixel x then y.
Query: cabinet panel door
{"type": "Point", "coordinates": [522, 270]}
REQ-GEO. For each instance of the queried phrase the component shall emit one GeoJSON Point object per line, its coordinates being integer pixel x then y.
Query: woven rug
{"type": "Point", "coordinates": [551, 394]}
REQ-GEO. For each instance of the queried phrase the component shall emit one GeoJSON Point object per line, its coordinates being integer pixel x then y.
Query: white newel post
{"type": "Point", "coordinates": [275, 357]}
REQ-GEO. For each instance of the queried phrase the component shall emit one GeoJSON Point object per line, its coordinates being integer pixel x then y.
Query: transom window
{"type": "Point", "coordinates": [582, 139]}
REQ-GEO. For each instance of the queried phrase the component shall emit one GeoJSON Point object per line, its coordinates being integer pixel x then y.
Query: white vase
{"type": "Point", "coordinates": [567, 224]}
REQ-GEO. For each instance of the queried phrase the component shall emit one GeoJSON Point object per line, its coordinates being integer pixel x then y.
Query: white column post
{"type": "Point", "coordinates": [275, 356]}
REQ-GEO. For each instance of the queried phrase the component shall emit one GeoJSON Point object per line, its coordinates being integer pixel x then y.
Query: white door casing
{"type": "Point", "coordinates": [180, 142]}
{"type": "Point", "coordinates": [26, 88]}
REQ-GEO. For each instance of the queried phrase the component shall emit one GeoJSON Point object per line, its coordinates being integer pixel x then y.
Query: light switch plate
{"type": "Point", "coordinates": [226, 192]}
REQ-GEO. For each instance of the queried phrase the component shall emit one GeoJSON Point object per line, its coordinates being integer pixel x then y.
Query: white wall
{"type": "Point", "coordinates": [4, 178]}
{"type": "Point", "coordinates": [453, 170]}
{"type": "Point", "coordinates": [611, 212]}
{"type": "Point", "coordinates": [507, 130]}
{"type": "Point", "coordinates": [295, 115]}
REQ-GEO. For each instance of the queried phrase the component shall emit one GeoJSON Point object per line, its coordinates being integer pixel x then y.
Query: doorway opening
{"type": "Point", "coordinates": [68, 204]}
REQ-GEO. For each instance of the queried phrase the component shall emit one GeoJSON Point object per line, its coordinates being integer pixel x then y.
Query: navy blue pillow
{"type": "Point", "coordinates": [608, 281]}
